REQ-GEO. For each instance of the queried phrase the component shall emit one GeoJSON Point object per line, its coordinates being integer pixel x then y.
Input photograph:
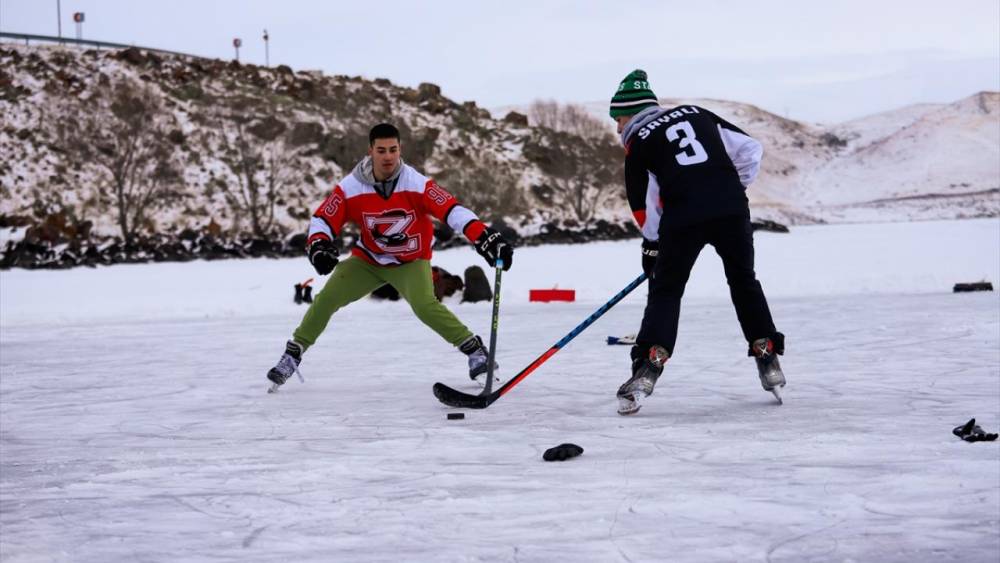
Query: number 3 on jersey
{"type": "Point", "coordinates": [684, 133]}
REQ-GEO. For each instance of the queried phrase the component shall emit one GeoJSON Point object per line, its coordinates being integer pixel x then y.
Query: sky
{"type": "Point", "coordinates": [818, 61]}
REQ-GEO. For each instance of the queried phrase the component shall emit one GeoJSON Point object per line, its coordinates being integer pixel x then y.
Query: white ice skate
{"type": "Point", "coordinates": [768, 368]}
{"type": "Point", "coordinates": [645, 372]}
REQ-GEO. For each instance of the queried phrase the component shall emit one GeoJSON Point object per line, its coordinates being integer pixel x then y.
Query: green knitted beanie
{"type": "Point", "coordinates": [633, 95]}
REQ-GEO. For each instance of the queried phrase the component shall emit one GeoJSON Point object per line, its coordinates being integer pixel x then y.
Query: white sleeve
{"type": "Point", "coordinates": [319, 226]}
{"type": "Point", "coordinates": [459, 217]}
{"type": "Point", "coordinates": [744, 151]}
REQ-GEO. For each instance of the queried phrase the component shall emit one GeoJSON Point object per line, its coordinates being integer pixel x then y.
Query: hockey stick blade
{"type": "Point", "coordinates": [457, 399]}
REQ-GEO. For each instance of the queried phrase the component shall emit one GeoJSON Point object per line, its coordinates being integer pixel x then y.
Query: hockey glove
{"type": "Point", "coordinates": [650, 251]}
{"type": "Point", "coordinates": [562, 452]}
{"type": "Point", "coordinates": [972, 432]}
{"type": "Point", "coordinates": [491, 245]}
{"type": "Point", "coordinates": [324, 256]}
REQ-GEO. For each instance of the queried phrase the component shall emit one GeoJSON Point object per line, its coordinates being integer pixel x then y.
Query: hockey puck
{"type": "Point", "coordinates": [456, 415]}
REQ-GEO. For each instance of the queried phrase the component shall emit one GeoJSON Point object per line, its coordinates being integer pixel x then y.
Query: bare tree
{"type": "Point", "coordinates": [570, 118]}
{"type": "Point", "coordinates": [485, 184]}
{"type": "Point", "coordinates": [580, 177]}
{"type": "Point", "coordinates": [264, 167]}
{"type": "Point", "coordinates": [125, 135]}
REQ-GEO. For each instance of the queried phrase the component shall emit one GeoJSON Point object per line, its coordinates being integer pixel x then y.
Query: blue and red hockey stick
{"type": "Point", "coordinates": [455, 398]}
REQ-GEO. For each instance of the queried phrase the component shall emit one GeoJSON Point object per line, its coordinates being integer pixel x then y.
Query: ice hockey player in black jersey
{"type": "Point", "coordinates": [686, 174]}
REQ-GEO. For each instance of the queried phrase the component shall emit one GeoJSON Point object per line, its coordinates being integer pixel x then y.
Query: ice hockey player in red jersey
{"type": "Point", "coordinates": [686, 174]}
{"type": "Point", "coordinates": [392, 205]}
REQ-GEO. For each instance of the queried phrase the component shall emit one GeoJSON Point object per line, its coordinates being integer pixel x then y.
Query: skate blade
{"type": "Point", "coordinates": [273, 388]}
{"type": "Point", "coordinates": [481, 382]}
{"type": "Point", "coordinates": [628, 405]}
{"type": "Point", "coordinates": [777, 396]}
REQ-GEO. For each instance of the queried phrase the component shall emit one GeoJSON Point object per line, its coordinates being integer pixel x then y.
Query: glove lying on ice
{"type": "Point", "coordinates": [323, 255]}
{"type": "Point", "coordinates": [972, 432]}
{"type": "Point", "coordinates": [562, 452]}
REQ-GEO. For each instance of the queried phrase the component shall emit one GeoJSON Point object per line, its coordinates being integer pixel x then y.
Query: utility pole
{"type": "Point", "coordinates": [59, 18]}
{"type": "Point", "coordinates": [267, 52]}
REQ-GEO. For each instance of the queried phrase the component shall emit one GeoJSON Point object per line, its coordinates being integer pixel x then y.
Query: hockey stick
{"type": "Point", "coordinates": [493, 330]}
{"type": "Point", "coordinates": [455, 398]}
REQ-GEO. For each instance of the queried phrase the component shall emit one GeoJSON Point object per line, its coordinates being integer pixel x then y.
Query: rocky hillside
{"type": "Point", "coordinates": [131, 149]}
{"type": "Point", "coordinates": [137, 144]}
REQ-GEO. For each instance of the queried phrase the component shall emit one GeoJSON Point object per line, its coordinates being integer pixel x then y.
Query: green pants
{"type": "Point", "coordinates": [355, 278]}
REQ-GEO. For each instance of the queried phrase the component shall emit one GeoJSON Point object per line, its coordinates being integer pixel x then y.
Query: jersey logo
{"type": "Point", "coordinates": [388, 230]}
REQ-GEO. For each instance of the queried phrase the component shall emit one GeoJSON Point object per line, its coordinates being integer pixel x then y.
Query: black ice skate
{"type": "Point", "coordinates": [478, 360]}
{"type": "Point", "coordinates": [768, 367]}
{"type": "Point", "coordinates": [645, 372]}
{"type": "Point", "coordinates": [287, 366]}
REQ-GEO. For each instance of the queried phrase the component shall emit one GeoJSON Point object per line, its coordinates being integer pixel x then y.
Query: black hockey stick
{"type": "Point", "coordinates": [455, 398]}
{"type": "Point", "coordinates": [493, 330]}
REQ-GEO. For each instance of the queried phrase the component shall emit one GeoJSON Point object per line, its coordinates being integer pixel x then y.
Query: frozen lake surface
{"type": "Point", "coordinates": [134, 424]}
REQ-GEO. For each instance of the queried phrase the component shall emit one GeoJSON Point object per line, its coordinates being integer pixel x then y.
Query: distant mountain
{"type": "Point", "coordinates": [927, 161]}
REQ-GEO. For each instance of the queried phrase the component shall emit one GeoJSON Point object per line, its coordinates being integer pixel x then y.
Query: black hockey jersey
{"type": "Point", "coordinates": [684, 165]}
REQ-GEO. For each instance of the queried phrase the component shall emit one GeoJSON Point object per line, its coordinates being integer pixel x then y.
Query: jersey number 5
{"type": "Point", "coordinates": [684, 133]}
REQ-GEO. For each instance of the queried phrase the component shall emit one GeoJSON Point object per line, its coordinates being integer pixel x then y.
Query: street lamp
{"type": "Point", "coordinates": [236, 44]}
{"type": "Point", "coordinates": [59, 18]}
{"type": "Point", "coordinates": [267, 52]}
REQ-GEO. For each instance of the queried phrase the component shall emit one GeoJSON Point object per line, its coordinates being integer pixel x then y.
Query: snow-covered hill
{"type": "Point", "coordinates": [927, 161]}
{"type": "Point", "coordinates": [52, 97]}
{"type": "Point", "coordinates": [923, 162]}
{"type": "Point", "coordinates": [134, 425]}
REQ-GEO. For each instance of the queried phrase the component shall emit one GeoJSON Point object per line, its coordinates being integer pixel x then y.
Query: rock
{"type": "Point", "coordinates": [268, 128]}
{"type": "Point", "coordinates": [768, 225]}
{"type": "Point", "coordinates": [306, 133]}
{"type": "Point", "coordinates": [516, 119]}
{"type": "Point", "coordinates": [132, 55]}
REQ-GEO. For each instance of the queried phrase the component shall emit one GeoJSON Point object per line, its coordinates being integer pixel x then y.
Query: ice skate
{"type": "Point", "coordinates": [287, 366]}
{"type": "Point", "coordinates": [478, 360]}
{"type": "Point", "coordinates": [645, 372]}
{"type": "Point", "coordinates": [768, 368]}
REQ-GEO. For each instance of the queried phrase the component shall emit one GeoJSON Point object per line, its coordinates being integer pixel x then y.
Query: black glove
{"type": "Point", "coordinates": [972, 432]}
{"type": "Point", "coordinates": [491, 245]}
{"type": "Point", "coordinates": [324, 256]}
{"type": "Point", "coordinates": [562, 452]}
{"type": "Point", "coordinates": [650, 251]}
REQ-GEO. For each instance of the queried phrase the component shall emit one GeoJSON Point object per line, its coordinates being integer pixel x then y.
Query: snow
{"type": "Point", "coordinates": [134, 423]}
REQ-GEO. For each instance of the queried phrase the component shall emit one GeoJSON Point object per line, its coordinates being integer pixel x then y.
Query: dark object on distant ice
{"type": "Point", "coordinates": [765, 225]}
{"type": "Point", "coordinates": [975, 286]}
{"type": "Point", "coordinates": [972, 432]}
{"type": "Point", "coordinates": [627, 340]}
{"type": "Point", "coordinates": [303, 292]}
{"type": "Point", "coordinates": [386, 292]}
{"type": "Point", "coordinates": [562, 452]}
{"type": "Point", "coordinates": [477, 287]}
{"type": "Point", "coordinates": [456, 415]}
{"type": "Point", "coordinates": [445, 284]}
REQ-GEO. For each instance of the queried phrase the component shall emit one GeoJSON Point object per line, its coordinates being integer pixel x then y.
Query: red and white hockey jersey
{"type": "Point", "coordinates": [396, 230]}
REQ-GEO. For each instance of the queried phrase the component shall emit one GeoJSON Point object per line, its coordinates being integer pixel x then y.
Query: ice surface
{"type": "Point", "coordinates": [134, 424]}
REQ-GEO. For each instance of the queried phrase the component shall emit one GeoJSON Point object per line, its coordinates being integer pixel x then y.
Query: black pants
{"type": "Point", "coordinates": [732, 238]}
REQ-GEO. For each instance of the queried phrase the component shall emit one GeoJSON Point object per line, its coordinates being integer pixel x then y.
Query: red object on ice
{"type": "Point", "coordinates": [546, 295]}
